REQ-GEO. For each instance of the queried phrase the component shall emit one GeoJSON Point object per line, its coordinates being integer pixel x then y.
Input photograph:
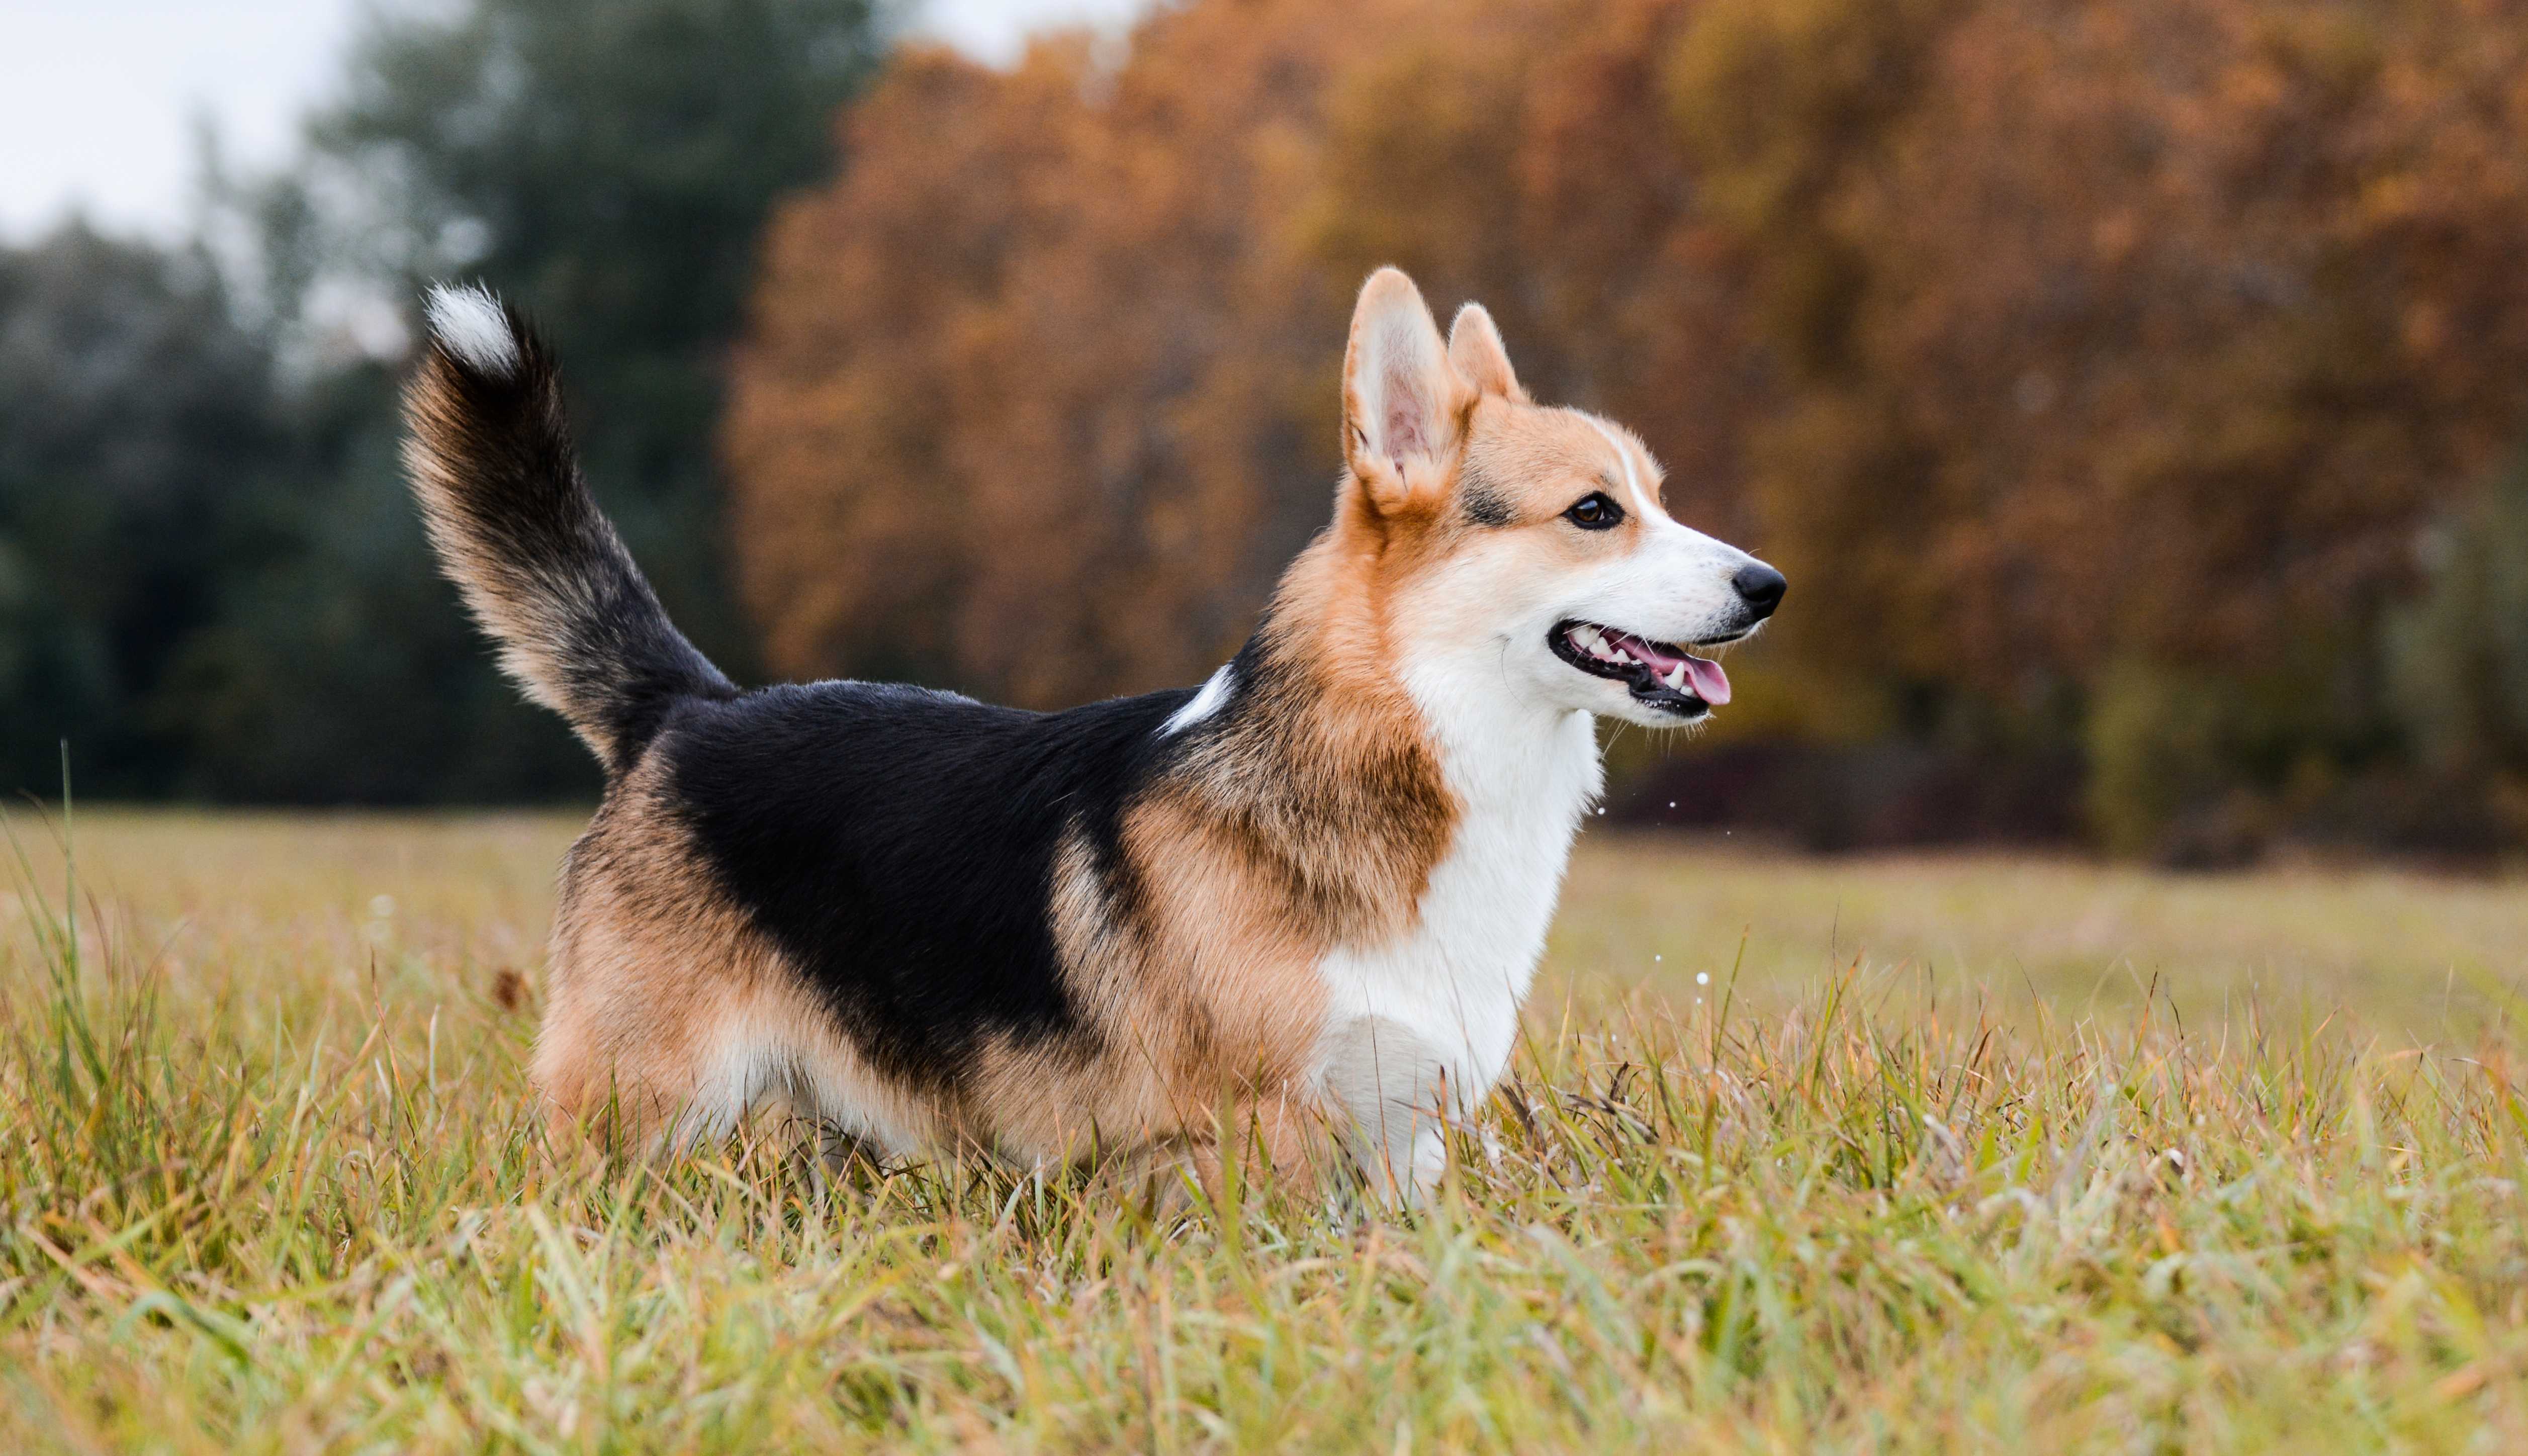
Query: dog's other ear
{"type": "Point", "coordinates": [1405, 405]}
{"type": "Point", "coordinates": [1475, 348]}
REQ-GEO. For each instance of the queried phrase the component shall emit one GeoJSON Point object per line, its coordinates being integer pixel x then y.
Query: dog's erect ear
{"type": "Point", "coordinates": [1405, 405]}
{"type": "Point", "coordinates": [1475, 348]}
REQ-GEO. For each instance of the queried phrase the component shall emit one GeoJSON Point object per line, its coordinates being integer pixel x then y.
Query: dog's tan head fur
{"type": "Point", "coordinates": [1521, 544]}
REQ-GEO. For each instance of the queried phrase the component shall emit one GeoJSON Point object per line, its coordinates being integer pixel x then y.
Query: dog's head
{"type": "Point", "coordinates": [1523, 540]}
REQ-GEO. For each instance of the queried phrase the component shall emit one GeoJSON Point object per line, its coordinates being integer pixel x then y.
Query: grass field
{"type": "Point", "coordinates": [1965, 1154]}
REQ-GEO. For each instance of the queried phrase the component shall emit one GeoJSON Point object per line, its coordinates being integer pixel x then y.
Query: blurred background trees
{"type": "Point", "coordinates": [135, 413]}
{"type": "Point", "coordinates": [211, 580]}
{"type": "Point", "coordinates": [2132, 390]}
{"type": "Point", "coordinates": [608, 164]}
{"type": "Point", "coordinates": [2093, 369]}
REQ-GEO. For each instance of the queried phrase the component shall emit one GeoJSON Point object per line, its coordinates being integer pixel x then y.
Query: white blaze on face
{"type": "Point", "coordinates": [1676, 585]}
{"type": "Point", "coordinates": [1492, 609]}
{"type": "Point", "coordinates": [1642, 502]}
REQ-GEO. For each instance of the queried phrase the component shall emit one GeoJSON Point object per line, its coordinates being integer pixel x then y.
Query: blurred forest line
{"type": "Point", "coordinates": [212, 582]}
{"type": "Point", "coordinates": [2132, 390]}
{"type": "Point", "coordinates": [2136, 392]}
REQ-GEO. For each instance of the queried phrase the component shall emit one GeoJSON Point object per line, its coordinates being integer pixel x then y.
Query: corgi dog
{"type": "Point", "coordinates": [1308, 893]}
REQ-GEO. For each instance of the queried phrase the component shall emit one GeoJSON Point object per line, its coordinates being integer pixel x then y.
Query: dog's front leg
{"type": "Point", "coordinates": [1393, 1088]}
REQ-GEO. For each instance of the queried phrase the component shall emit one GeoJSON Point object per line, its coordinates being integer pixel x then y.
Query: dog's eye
{"type": "Point", "coordinates": [1594, 512]}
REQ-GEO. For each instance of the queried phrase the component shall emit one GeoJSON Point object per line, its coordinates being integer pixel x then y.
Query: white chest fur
{"type": "Point", "coordinates": [1421, 1025]}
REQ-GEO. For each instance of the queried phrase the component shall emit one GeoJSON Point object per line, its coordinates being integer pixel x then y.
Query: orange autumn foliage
{"type": "Point", "coordinates": [2031, 337]}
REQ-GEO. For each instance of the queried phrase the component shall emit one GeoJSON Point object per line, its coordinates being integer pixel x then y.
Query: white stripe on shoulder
{"type": "Point", "coordinates": [1215, 692]}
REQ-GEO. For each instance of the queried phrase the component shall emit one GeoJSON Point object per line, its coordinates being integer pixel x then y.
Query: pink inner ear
{"type": "Point", "coordinates": [1404, 417]}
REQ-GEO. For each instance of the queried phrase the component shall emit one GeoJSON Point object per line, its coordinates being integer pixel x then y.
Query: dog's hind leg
{"type": "Point", "coordinates": [635, 1080]}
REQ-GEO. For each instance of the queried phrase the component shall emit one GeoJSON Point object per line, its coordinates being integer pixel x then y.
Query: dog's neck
{"type": "Point", "coordinates": [1340, 632]}
{"type": "Point", "coordinates": [1327, 761]}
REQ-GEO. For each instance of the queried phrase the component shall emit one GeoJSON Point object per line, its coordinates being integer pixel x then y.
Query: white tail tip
{"type": "Point", "coordinates": [469, 323]}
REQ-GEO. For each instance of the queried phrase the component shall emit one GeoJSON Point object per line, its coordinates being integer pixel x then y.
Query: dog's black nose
{"type": "Point", "coordinates": [1761, 587]}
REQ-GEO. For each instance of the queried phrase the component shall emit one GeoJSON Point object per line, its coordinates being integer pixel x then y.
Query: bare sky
{"type": "Point", "coordinates": [98, 97]}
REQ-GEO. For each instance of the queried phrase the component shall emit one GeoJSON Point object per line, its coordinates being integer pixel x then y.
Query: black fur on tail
{"type": "Point", "coordinates": [491, 459]}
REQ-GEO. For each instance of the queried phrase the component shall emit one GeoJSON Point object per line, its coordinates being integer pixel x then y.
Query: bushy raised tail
{"type": "Point", "coordinates": [491, 459]}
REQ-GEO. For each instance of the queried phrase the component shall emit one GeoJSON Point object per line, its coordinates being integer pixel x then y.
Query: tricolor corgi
{"type": "Point", "coordinates": [1308, 893]}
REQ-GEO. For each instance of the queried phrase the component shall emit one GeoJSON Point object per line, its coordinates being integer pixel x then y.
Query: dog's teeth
{"type": "Point", "coordinates": [1587, 638]}
{"type": "Point", "coordinates": [1676, 677]}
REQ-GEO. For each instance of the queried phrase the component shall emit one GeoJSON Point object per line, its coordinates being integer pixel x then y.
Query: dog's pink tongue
{"type": "Point", "coordinates": [1711, 684]}
{"type": "Point", "coordinates": [1705, 679]}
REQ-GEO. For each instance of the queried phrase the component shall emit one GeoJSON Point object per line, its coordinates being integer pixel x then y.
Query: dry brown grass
{"type": "Point", "coordinates": [1939, 1178]}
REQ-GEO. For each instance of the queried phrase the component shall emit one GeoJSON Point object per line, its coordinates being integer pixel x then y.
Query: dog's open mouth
{"type": "Point", "coordinates": [1661, 674]}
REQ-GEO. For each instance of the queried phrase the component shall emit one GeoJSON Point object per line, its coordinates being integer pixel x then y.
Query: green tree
{"type": "Point", "coordinates": [2457, 653]}
{"type": "Point", "coordinates": [608, 164]}
{"type": "Point", "coordinates": [211, 577]}
{"type": "Point", "coordinates": [132, 409]}
{"type": "Point", "coordinates": [335, 669]}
